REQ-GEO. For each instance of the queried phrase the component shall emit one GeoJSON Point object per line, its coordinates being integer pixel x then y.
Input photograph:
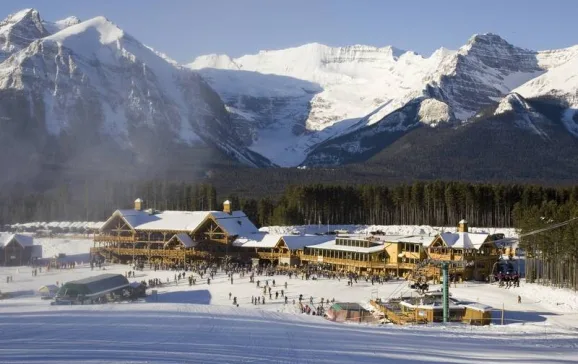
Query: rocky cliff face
{"type": "Point", "coordinates": [307, 98]}
{"type": "Point", "coordinates": [18, 30]}
{"type": "Point", "coordinates": [91, 95]}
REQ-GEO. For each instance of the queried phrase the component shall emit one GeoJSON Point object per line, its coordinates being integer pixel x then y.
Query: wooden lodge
{"type": "Point", "coordinates": [148, 235]}
{"type": "Point", "coordinates": [178, 236]}
{"type": "Point", "coordinates": [17, 249]}
{"type": "Point", "coordinates": [473, 254]}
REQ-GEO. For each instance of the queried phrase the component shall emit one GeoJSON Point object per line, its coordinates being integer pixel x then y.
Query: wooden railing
{"type": "Point", "coordinates": [273, 255]}
{"type": "Point", "coordinates": [114, 238]}
{"type": "Point", "coordinates": [397, 317]}
{"type": "Point", "coordinates": [172, 253]}
{"type": "Point", "coordinates": [356, 263]}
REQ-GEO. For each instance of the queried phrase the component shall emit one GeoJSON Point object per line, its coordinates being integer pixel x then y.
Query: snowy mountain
{"type": "Point", "coordinates": [318, 105]}
{"type": "Point", "coordinates": [290, 100]}
{"type": "Point", "coordinates": [90, 94]}
{"type": "Point", "coordinates": [85, 99]}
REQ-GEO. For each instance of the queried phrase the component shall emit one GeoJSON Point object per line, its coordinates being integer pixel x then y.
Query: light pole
{"type": "Point", "coordinates": [445, 291]}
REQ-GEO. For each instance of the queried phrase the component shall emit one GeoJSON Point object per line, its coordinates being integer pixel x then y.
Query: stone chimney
{"type": "Point", "coordinates": [138, 204]}
{"type": "Point", "coordinates": [463, 226]}
{"type": "Point", "coordinates": [227, 207]}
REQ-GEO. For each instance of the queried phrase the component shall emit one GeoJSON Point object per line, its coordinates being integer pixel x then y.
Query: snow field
{"type": "Point", "coordinates": [199, 324]}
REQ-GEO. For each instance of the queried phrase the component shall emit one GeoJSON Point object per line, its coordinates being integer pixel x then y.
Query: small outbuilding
{"type": "Point", "coordinates": [477, 314]}
{"type": "Point", "coordinates": [349, 312]}
{"type": "Point", "coordinates": [94, 288]}
{"type": "Point", "coordinates": [16, 249]}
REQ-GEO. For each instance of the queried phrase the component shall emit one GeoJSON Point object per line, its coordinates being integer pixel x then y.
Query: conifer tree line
{"type": "Point", "coordinates": [436, 203]}
{"type": "Point", "coordinates": [552, 255]}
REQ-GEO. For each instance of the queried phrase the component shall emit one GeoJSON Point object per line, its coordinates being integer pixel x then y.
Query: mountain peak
{"type": "Point", "coordinates": [71, 20]}
{"type": "Point", "coordinates": [22, 14]}
{"type": "Point", "coordinates": [20, 29]}
{"type": "Point", "coordinates": [487, 38]}
{"type": "Point", "coordinates": [106, 31]}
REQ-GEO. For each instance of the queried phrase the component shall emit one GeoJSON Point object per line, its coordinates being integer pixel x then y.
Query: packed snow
{"type": "Point", "coordinates": [194, 323]}
{"type": "Point", "coordinates": [197, 324]}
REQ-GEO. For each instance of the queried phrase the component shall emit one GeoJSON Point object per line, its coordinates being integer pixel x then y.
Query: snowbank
{"type": "Point", "coordinates": [387, 229]}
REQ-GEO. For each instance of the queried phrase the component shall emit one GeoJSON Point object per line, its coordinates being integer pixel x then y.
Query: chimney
{"type": "Point", "coordinates": [138, 204]}
{"type": "Point", "coordinates": [463, 226]}
{"type": "Point", "coordinates": [227, 207]}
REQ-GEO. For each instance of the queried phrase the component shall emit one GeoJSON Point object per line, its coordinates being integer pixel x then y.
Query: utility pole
{"type": "Point", "coordinates": [446, 299]}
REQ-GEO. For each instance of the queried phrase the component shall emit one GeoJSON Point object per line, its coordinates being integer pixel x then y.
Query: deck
{"type": "Point", "coordinates": [393, 313]}
{"type": "Point", "coordinates": [150, 253]}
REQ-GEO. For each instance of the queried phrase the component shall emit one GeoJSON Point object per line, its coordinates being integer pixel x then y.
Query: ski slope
{"type": "Point", "coordinates": [199, 324]}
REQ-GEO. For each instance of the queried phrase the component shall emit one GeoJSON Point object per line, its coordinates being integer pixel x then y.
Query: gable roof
{"type": "Point", "coordinates": [301, 241]}
{"type": "Point", "coordinates": [464, 240]}
{"type": "Point", "coordinates": [332, 245]}
{"type": "Point", "coordinates": [185, 239]}
{"type": "Point", "coordinates": [258, 240]}
{"type": "Point", "coordinates": [236, 223]}
{"type": "Point", "coordinates": [267, 240]}
{"type": "Point", "coordinates": [23, 240]}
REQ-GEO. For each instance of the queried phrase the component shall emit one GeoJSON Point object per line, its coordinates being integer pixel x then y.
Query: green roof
{"type": "Point", "coordinates": [94, 286]}
{"type": "Point", "coordinates": [348, 306]}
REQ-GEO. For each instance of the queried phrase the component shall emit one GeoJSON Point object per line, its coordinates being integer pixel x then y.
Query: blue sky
{"type": "Point", "coordinates": [185, 29]}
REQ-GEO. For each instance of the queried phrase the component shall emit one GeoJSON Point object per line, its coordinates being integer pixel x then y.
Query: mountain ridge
{"type": "Point", "coordinates": [461, 82]}
{"type": "Point", "coordinates": [86, 95]}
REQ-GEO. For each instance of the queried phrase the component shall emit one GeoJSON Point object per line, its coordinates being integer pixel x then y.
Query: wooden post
{"type": "Point", "coordinates": [502, 313]}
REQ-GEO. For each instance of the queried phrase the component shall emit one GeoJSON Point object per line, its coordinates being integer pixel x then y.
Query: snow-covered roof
{"type": "Point", "coordinates": [293, 242]}
{"type": "Point", "coordinates": [425, 240]}
{"type": "Point", "coordinates": [463, 221]}
{"type": "Point", "coordinates": [258, 240]}
{"type": "Point", "coordinates": [185, 239]}
{"type": "Point", "coordinates": [236, 223]}
{"type": "Point", "coordinates": [477, 307]}
{"type": "Point", "coordinates": [301, 241]}
{"type": "Point", "coordinates": [464, 240]}
{"type": "Point", "coordinates": [331, 245]}
{"type": "Point", "coordinates": [23, 240]}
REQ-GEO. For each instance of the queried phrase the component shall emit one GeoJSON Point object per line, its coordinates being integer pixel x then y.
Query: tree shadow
{"type": "Point", "coordinates": [521, 317]}
{"type": "Point", "coordinates": [201, 297]}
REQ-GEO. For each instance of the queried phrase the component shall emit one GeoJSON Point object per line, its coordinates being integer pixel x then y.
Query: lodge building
{"type": "Point", "coordinates": [18, 249]}
{"type": "Point", "coordinates": [183, 236]}
{"type": "Point", "coordinates": [179, 236]}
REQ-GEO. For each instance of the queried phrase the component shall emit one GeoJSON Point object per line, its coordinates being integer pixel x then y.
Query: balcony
{"type": "Point", "coordinates": [354, 263]}
{"type": "Point", "coordinates": [273, 255]}
{"type": "Point", "coordinates": [105, 238]}
{"type": "Point", "coordinates": [168, 253]}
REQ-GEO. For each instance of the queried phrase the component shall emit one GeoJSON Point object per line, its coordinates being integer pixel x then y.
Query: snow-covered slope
{"type": "Point", "coordinates": [561, 84]}
{"type": "Point", "coordinates": [54, 27]}
{"type": "Point", "coordinates": [18, 30]}
{"type": "Point", "coordinates": [199, 324]}
{"type": "Point", "coordinates": [298, 98]}
{"type": "Point", "coordinates": [90, 89]}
